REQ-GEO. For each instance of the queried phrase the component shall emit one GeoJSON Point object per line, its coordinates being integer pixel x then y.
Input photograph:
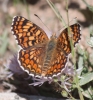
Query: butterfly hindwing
{"type": "Point", "coordinates": [31, 60]}
{"type": "Point", "coordinates": [57, 64]}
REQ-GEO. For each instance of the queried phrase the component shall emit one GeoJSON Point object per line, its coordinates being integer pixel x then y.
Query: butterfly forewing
{"type": "Point", "coordinates": [63, 42]}
{"type": "Point", "coordinates": [27, 33]}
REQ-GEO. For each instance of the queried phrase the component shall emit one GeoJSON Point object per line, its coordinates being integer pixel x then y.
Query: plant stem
{"type": "Point", "coordinates": [72, 49]}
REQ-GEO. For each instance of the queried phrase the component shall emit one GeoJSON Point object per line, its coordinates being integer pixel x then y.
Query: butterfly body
{"type": "Point", "coordinates": [50, 52]}
{"type": "Point", "coordinates": [40, 56]}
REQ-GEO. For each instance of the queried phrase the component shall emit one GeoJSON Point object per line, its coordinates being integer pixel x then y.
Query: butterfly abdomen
{"type": "Point", "coordinates": [49, 54]}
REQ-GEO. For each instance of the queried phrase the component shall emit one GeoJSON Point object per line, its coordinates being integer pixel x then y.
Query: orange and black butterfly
{"type": "Point", "coordinates": [40, 56]}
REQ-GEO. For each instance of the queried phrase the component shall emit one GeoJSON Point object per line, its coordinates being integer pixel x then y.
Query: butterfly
{"type": "Point", "coordinates": [40, 56]}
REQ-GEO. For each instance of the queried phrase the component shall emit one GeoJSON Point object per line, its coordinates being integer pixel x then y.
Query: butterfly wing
{"type": "Point", "coordinates": [27, 33]}
{"type": "Point", "coordinates": [63, 42]}
{"type": "Point", "coordinates": [57, 65]}
{"type": "Point", "coordinates": [31, 60]}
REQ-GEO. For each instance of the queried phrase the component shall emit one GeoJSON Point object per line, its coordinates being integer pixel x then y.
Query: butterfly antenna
{"type": "Point", "coordinates": [42, 21]}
